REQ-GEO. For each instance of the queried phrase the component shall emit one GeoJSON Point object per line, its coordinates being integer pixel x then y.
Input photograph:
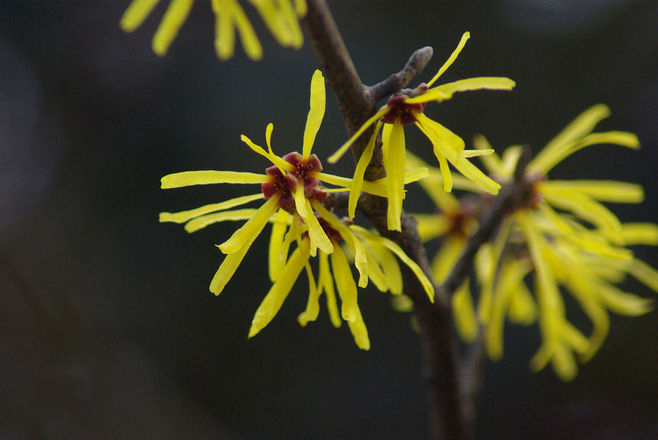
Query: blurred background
{"type": "Point", "coordinates": [107, 329]}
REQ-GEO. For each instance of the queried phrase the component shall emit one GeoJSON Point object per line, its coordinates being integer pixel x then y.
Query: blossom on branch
{"type": "Point", "coordinates": [566, 237]}
{"type": "Point", "coordinates": [294, 195]}
{"type": "Point", "coordinates": [280, 16]}
{"type": "Point", "coordinates": [408, 107]}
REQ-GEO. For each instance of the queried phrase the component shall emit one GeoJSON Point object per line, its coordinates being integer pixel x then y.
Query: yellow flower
{"type": "Point", "coordinates": [580, 249]}
{"type": "Point", "coordinates": [407, 107]}
{"type": "Point", "coordinates": [373, 257]}
{"type": "Point", "coordinates": [280, 16]}
{"type": "Point", "coordinates": [290, 185]}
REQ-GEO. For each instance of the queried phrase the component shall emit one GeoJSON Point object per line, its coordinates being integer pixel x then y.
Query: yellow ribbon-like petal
{"type": "Point", "coordinates": [451, 59]}
{"type": "Point", "coordinates": [184, 216]}
{"type": "Point", "coordinates": [136, 13]}
{"type": "Point", "coordinates": [280, 289]}
{"type": "Point", "coordinates": [190, 178]}
{"type": "Point", "coordinates": [393, 151]}
{"type": "Point", "coordinates": [250, 230]}
{"type": "Point", "coordinates": [315, 113]}
{"type": "Point", "coordinates": [173, 19]}
{"type": "Point", "coordinates": [445, 91]}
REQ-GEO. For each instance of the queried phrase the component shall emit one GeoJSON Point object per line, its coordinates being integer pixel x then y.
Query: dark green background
{"type": "Point", "coordinates": [107, 329]}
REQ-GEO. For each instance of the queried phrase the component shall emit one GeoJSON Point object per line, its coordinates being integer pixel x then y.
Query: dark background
{"type": "Point", "coordinates": [107, 329]}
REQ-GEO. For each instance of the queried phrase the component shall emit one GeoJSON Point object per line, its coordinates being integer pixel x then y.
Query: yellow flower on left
{"type": "Point", "coordinates": [280, 16]}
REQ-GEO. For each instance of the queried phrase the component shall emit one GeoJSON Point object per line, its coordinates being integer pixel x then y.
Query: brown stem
{"type": "Point", "coordinates": [448, 402]}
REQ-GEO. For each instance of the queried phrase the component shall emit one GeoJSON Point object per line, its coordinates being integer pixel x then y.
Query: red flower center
{"type": "Point", "coordinates": [305, 171]}
{"type": "Point", "coordinates": [400, 110]}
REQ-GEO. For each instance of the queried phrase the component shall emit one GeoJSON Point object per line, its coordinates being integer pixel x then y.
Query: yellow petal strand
{"type": "Point", "coordinates": [390, 267]}
{"type": "Point", "coordinates": [624, 303]}
{"type": "Point", "coordinates": [580, 126]}
{"type": "Point", "coordinates": [318, 237]}
{"type": "Point", "coordinates": [511, 157]}
{"type": "Point", "coordinates": [511, 276]}
{"type": "Point", "coordinates": [550, 302]}
{"type": "Point", "coordinates": [345, 284]}
{"type": "Point", "coordinates": [492, 162]}
{"type": "Point", "coordinates": [445, 173]}
{"type": "Point", "coordinates": [184, 216]}
{"type": "Point", "coordinates": [397, 250]}
{"type": "Point", "coordinates": [522, 307]}
{"type": "Point", "coordinates": [446, 257]}
{"type": "Point", "coordinates": [300, 8]}
{"type": "Point", "coordinates": [250, 230]}
{"type": "Point", "coordinates": [209, 219]}
{"type": "Point", "coordinates": [326, 282]}
{"type": "Point", "coordinates": [359, 171]}
{"type": "Point", "coordinates": [278, 253]}
{"type": "Point", "coordinates": [347, 292]}
{"type": "Point", "coordinates": [228, 268]}
{"type": "Point", "coordinates": [644, 273]}
{"type": "Point", "coordinates": [375, 273]}
{"type": "Point", "coordinates": [462, 307]}
{"type": "Point", "coordinates": [313, 303]}
{"type": "Point", "coordinates": [584, 207]}
{"type": "Point", "coordinates": [591, 304]}
{"type": "Point", "coordinates": [315, 113]}
{"type": "Point", "coordinates": [445, 91]}
{"type": "Point", "coordinates": [224, 30]}
{"type": "Point", "coordinates": [451, 59]}
{"type": "Point", "coordinates": [477, 153]}
{"type": "Point", "coordinates": [443, 139]}
{"type": "Point", "coordinates": [136, 13]}
{"type": "Point", "coordinates": [449, 144]}
{"type": "Point", "coordinates": [431, 226]}
{"type": "Point", "coordinates": [360, 260]}
{"type": "Point", "coordinates": [250, 42]}
{"type": "Point", "coordinates": [359, 332]}
{"type": "Point", "coordinates": [603, 190]}
{"type": "Point", "coordinates": [489, 262]}
{"type": "Point", "coordinates": [190, 178]}
{"type": "Point", "coordinates": [378, 187]}
{"type": "Point", "coordinates": [280, 289]}
{"type": "Point", "coordinates": [640, 233]}
{"type": "Point", "coordinates": [393, 149]}
{"type": "Point", "coordinates": [281, 164]}
{"type": "Point", "coordinates": [343, 149]}
{"type": "Point", "coordinates": [563, 363]}
{"type": "Point", "coordinates": [621, 138]}
{"type": "Point", "coordinates": [173, 19]}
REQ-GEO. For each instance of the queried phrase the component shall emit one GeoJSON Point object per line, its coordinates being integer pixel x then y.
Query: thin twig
{"type": "Point", "coordinates": [394, 83]}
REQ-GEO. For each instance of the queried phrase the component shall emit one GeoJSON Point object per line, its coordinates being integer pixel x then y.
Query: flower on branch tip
{"type": "Point", "coordinates": [407, 107]}
{"type": "Point", "coordinates": [374, 259]}
{"type": "Point", "coordinates": [280, 16]}
{"type": "Point", "coordinates": [565, 237]}
{"type": "Point", "coordinates": [293, 193]}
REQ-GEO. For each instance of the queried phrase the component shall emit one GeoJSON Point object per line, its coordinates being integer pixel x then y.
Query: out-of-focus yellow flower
{"type": "Point", "coordinates": [280, 16]}
{"type": "Point", "coordinates": [580, 247]}
{"type": "Point", "coordinates": [374, 258]}
{"type": "Point", "coordinates": [407, 107]}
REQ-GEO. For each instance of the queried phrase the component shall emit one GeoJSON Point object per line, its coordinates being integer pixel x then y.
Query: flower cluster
{"type": "Point", "coordinates": [405, 108]}
{"type": "Point", "coordinates": [564, 236]}
{"type": "Point", "coordinates": [280, 16]}
{"type": "Point", "coordinates": [293, 190]}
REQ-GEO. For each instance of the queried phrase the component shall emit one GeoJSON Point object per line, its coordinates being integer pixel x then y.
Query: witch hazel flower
{"type": "Point", "coordinates": [280, 16]}
{"type": "Point", "coordinates": [567, 239]}
{"type": "Point", "coordinates": [292, 184]}
{"type": "Point", "coordinates": [407, 107]}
